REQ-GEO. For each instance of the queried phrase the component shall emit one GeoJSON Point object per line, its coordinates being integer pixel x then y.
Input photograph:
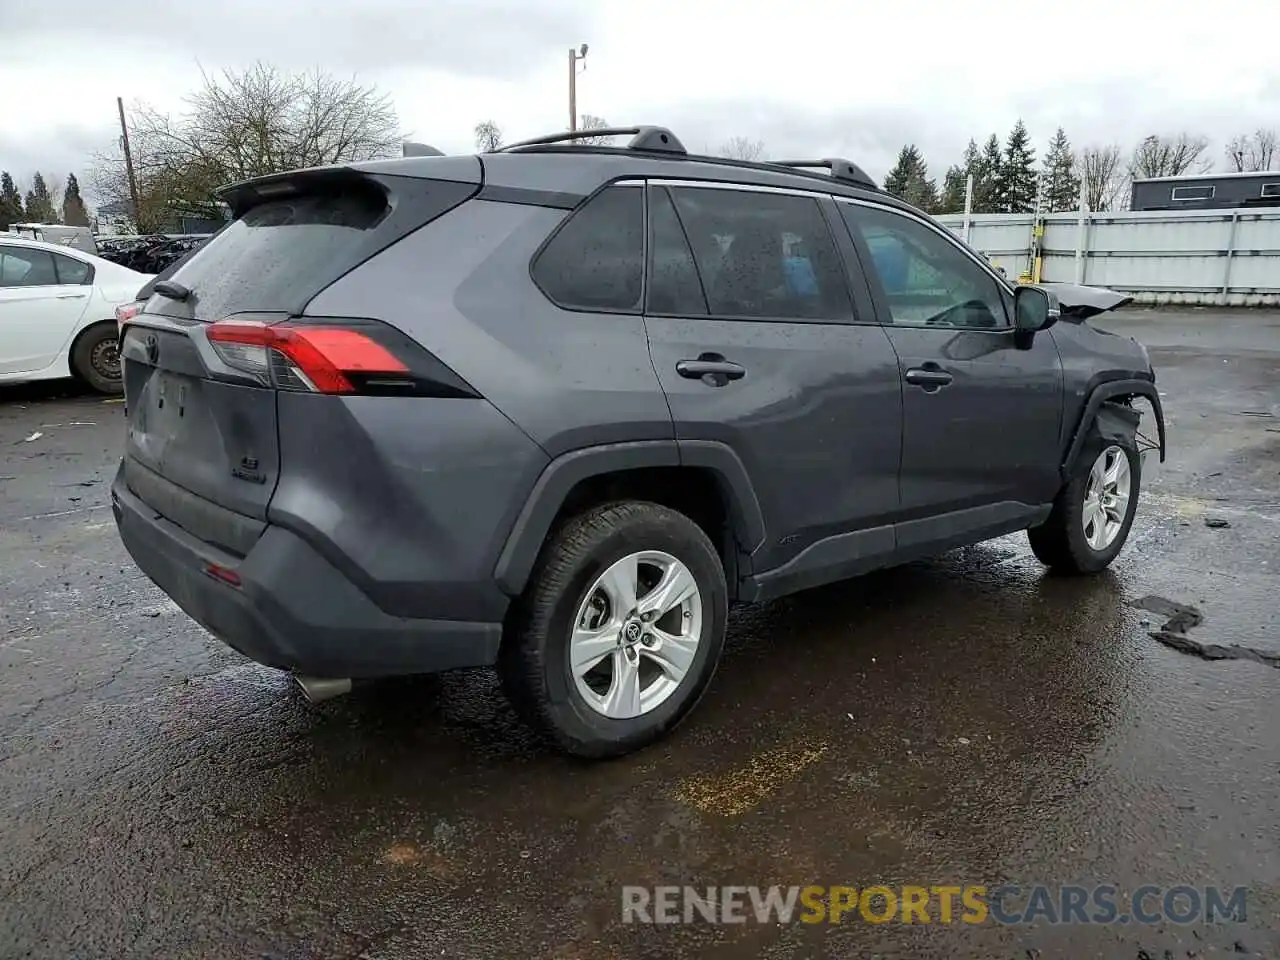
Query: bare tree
{"type": "Point", "coordinates": [1170, 156]}
{"type": "Point", "coordinates": [242, 125]}
{"type": "Point", "coordinates": [488, 136]}
{"type": "Point", "coordinates": [1102, 175]}
{"type": "Point", "coordinates": [1252, 153]}
{"type": "Point", "coordinates": [742, 148]}
{"type": "Point", "coordinates": [591, 122]}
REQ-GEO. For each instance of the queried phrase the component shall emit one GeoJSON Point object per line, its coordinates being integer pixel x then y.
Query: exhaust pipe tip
{"type": "Point", "coordinates": [317, 689]}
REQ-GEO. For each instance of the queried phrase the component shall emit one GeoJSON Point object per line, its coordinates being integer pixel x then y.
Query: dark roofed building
{"type": "Point", "coordinates": [1207, 191]}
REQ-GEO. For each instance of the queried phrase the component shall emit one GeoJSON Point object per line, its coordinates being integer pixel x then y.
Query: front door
{"type": "Point", "coordinates": [981, 411]}
{"type": "Point", "coordinates": [754, 337]}
{"type": "Point", "coordinates": [37, 312]}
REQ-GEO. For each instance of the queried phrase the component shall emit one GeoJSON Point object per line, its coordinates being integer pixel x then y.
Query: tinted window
{"type": "Point", "coordinates": [23, 267]}
{"type": "Point", "coordinates": [764, 254]}
{"type": "Point", "coordinates": [595, 260]}
{"type": "Point", "coordinates": [926, 277]}
{"type": "Point", "coordinates": [280, 253]}
{"type": "Point", "coordinates": [1191, 193]}
{"type": "Point", "coordinates": [673, 279]}
{"type": "Point", "coordinates": [71, 270]}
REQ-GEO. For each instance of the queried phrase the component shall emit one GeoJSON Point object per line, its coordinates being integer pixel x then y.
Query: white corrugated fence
{"type": "Point", "coordinates": [1208, 257]}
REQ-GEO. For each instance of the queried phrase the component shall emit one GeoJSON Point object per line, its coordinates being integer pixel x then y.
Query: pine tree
{"type": "Point", "coordinates": [953, 188]}
{"type": "Point", "coordinates": [39, 203]}
{"type": "Point", "coordinates": [74, 213]}
{"type": "Point", "coordinates": [11, 211]}
{"type": "Point", "coordinates": [909, 179]}
{"type": "Point", "coordinates": [896, 182]}
{"type": "Point", "coordinates": [986, 173]}
{"type": "Point", "coordinates": [1017, 183]}
{"type": "Point", "coordinates": [1061, 185]}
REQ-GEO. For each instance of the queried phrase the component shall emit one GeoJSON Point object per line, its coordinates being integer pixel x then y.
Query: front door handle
{"type": "Point", "coordinates": [929, 377]}
{"type": "Point", "coordinates": [712, 368]}
{"type": "Point", "coordinates": [72, 296]}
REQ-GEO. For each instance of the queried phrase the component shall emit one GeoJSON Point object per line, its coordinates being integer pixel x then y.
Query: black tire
{"type": "Point", "coordinates": [1060, 542]}
{"type": "Point", "coordinates": [534, 661]}
{"type": "Point", "coordinates": [95, 358]}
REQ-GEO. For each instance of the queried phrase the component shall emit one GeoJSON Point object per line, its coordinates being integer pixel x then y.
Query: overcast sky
{"type": "Point", "coordinates": [808, 78]}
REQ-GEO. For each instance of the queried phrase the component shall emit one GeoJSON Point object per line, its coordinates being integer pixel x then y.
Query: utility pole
{"type": "Point", "coordinates": [574, 57]}
{"type": "Point", "coordinates": [128, 165]}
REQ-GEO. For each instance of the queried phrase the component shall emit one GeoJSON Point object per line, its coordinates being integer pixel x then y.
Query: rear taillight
{"type": "Point", "coordinates": [334, 357]}
{"type": "Point", "coordinates": [126, 312]}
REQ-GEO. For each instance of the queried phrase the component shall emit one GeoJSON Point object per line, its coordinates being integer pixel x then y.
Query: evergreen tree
{"type": "Point", "coordinates": [986, 174]}
{"type": "Point", "coordinates": [11, 211]}
{"type": "Point", "coordinates": [909, 179]}
{"type": "Point", "coordinates": [39, 203]}
{"type": "Point", "coordinates": [74, 213]}
{"type": "Point", "coordinates": [953, 188]}
{"type": "Point", "coordinates": [1061, 184]}
{"type": "Point", "coordinates": [1017, 182]}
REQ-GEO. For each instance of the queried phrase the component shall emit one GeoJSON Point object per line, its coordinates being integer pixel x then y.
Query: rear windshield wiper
{"type": "Point", "coordinates": [174, 291]}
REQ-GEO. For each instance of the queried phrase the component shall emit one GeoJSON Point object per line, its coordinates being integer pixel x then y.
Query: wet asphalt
{"type": "Point", "coordinates": [963, 720]}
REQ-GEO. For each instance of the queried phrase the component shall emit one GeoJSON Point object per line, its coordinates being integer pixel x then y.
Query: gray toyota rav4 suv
{"type": "Point", "coordinates": [555, 408]}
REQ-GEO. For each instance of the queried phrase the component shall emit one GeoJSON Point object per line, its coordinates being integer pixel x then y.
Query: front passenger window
{"type": "Point", "coordinates": [927, 279]}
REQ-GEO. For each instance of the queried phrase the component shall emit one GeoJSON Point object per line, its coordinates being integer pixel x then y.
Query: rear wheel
{"type": "Point", "coordinates": [620, 630]}
{"type": "Point", "coordinates": [95, 358]}
{"type": "Point", "coordinates": [1094, 511]}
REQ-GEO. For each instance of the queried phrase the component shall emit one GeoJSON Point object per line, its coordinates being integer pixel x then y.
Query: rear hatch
{"type": "Point", "coordinates": [216, 341]}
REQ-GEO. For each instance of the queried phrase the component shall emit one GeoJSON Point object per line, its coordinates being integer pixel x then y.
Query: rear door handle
{"type": "Point", "coordinates": [72, 296]}
{"type": "Point", "coordinates": [717, 368]}
{"type": "Point", "coordinates": [931, 378]}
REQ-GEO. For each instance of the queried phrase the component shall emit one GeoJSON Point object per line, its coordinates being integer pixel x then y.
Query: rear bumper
{"type": "Point", "coordinates": [292, 610]}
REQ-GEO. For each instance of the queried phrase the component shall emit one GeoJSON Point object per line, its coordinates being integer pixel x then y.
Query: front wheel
{"type": "Point", "coordinates": [1093, 512]}
{"type": "Point", "coordinates": [620, 630]}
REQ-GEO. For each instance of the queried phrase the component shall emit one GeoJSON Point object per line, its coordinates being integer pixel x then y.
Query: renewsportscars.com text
{"type": "Point", "coordinates": [939, 904]}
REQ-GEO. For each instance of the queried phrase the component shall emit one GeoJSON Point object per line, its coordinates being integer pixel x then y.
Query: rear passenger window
{"type": "Point", "coordinates": [595, 261]}
{"type": "Point", "coordinates": [764, 255]}
{"type": "Point", "coordinates": [673, 279]}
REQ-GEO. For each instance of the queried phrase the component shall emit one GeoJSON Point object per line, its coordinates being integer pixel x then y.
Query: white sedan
{"type": "Point", "coordinates": [57, 313]}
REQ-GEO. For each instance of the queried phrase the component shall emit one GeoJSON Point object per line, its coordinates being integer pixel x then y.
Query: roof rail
{"type": "Point", "coordinates": [647, 138]}
{"type": "Point", "coordinates": [840, 169]}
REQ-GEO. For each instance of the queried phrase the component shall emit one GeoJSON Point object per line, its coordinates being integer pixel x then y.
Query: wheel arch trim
{"type": "Point", "coordinates": [529, 531]}
{"type": "Point", "coordinates": [1109, 390]}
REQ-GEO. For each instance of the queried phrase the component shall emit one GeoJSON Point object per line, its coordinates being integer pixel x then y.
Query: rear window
{"type": "Point", "coordinates": [281, 253]}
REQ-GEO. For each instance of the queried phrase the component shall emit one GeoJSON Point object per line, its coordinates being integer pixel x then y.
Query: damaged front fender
{"type": "Point", "coordinates": [1107, 414]}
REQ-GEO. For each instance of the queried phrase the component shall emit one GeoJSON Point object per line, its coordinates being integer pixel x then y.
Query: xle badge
{"type": "Point", "coordinates": [248, 470]}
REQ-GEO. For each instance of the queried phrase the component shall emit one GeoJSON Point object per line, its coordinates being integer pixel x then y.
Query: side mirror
{"type": "Point", "coordinates": [1034, 309]}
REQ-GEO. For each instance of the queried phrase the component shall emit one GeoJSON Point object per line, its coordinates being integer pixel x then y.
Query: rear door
{"type": "Point", "coordinates": [758, 345]}
{"type": "Point", "coordinates": [981, 409]}
{"type": "Point", "coordinates": [202, 445]}
{"type": "Point", "coordinates": [39, 309]}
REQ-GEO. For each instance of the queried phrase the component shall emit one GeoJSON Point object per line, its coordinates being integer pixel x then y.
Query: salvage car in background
{"type": "Point", "coordinates": [57, 313]}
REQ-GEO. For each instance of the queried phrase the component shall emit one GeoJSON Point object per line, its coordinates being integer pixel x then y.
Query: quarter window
{"type": "Point", "coordinates": [595, 261]}
{"type": "Point", "coordinates": [25, 267]}
{"type": "Point", "coordinates": [763, 255]}
{"type": "Point", "coordinates": [72, 271]}
{"type": "Point", "coordinates": [928, 280]}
